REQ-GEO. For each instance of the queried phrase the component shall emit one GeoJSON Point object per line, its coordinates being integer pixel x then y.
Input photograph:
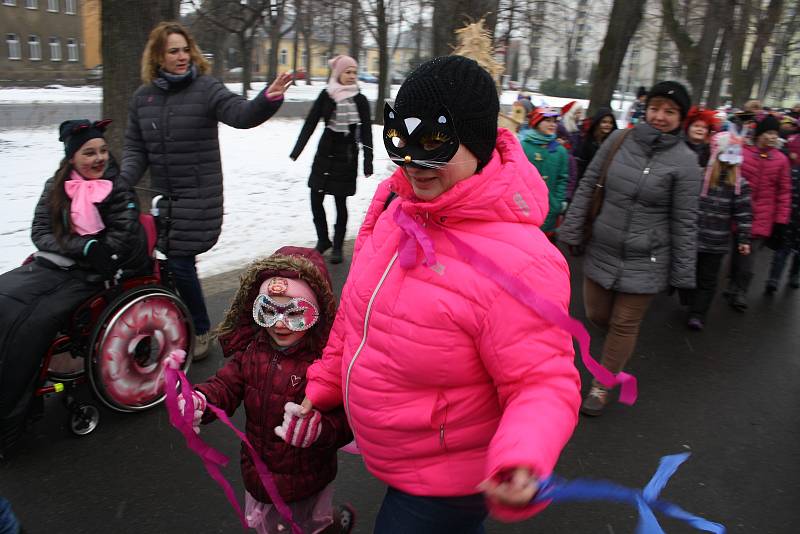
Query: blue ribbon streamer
{"type": "Point", "coordinates": [558, 490]}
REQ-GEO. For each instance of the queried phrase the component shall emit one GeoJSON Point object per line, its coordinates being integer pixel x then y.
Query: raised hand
{"type": "Point", "coordinates": [277, 88]}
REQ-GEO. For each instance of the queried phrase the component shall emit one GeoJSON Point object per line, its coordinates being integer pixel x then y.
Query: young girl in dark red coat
{"type": "Point", "coordinates": [277, 325]}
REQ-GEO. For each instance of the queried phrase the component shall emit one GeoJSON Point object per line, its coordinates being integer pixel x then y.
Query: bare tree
{"type": "Point", "coordinates": [622, 24]}
{"type": "Point", "coordinates": [242, 18]}
{"type": "Point", "coordinates": [535, 15]}
{"type": "Point", "coordinates": [126, 25]}
{"type": "Point", "coordinates": [713, 99]}
{"type": "Point", "coordinates": [743, 75]}
{"type": "Point", "coordinates": [355, 29]}
{"type": "Point", "coordinates": [780, 49]}
{"type": "Point", "coordinates": [274, 19]}
{"type": "Point", "coordinates": [695, 55]}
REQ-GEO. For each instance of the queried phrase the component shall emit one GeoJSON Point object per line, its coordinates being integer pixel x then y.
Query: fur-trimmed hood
{"type": "Point", "coordinates": [238, 327]}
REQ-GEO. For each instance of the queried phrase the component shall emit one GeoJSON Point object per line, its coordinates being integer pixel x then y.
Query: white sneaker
{"type": "Point", "coordinates": [202, 343]}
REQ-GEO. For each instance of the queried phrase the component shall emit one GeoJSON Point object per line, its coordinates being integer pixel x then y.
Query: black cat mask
{"type": "Point", "coordinates": [426, 142]}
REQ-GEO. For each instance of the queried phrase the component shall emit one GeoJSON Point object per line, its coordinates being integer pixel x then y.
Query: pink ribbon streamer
{"type": "Point", "coordinates": [549, 312]}
{"type": "Point", "coordinates": [413, 235]}
{"type": "Point", "coordinates": [212, 458]}
{"type": "Point", "coordinates": [84, 194]}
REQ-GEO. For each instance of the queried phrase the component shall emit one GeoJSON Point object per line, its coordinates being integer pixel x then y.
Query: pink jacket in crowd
{"type": "Point", "coordinates": [768, 173]}
{"type": "Point", "coordinates": [446, 378]}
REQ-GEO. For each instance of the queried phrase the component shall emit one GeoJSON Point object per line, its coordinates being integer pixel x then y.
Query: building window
{"type": "Point", "coordinates": [70, 7]}
{"type": "Point", "coordinates": [283, 59]}
{"type": "Point", "coordinates": [32, 4]}
{"type": "Point", "coordinates": [52, 5]}
{"type": "Point", "coordinates": [72, 50]}
{"type": "Point", "coordinates": [55, 49]}
{"type": "Point", "coordinates": [9, 2]}
{"type": "Point", "coordinates": [323, 60]}
{"type": "Point", "coordinates": [14, 51]}
{"type": "Point", "coordinates": [34, 48]}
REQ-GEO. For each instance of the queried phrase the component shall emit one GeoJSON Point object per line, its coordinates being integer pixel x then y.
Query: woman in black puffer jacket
{"type": "Point", "coordinates": [172, 129]}
{"type": "Point", "coordinates": [86, 229]}
{"type": "Point", "coordinates": [347, 125]}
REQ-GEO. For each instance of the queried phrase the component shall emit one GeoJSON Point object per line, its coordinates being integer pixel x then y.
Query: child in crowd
{"type": "Point", "coordinates": [725, 198]}
{"type": "Point", "coordinates": [551, 160]}
{"type": "Point", "coordinates": [276, 327]}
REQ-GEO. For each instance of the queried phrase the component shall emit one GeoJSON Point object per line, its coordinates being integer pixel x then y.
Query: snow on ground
{"type": "Point", "coordinates": [298, 93]}
{"type": "Point", "coordinates": [266, 196]}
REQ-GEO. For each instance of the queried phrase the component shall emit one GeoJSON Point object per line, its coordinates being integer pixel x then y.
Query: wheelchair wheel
{"type": "Point", "coordinates": [129, 344]}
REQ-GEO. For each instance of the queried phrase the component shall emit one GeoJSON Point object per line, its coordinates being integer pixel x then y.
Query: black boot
{"type": "Point", "coordinates": [323, 242]}
{"type": "Point", "coordinates": [338, 243]}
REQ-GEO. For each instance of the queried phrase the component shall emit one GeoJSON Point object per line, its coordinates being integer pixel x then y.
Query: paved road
{"type": "Point", "coordinates": [730, 395]}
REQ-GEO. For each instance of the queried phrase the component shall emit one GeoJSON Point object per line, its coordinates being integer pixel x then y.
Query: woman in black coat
{"type": "Point", "coordinates": [86, 230]}
{"type": "Point", "coordinates": [172, 130]}
{"type": "Point", "coordinates": [347, 125]}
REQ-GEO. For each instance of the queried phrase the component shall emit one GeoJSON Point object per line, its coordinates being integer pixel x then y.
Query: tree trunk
{"type": "Point", "coordinates": [332, 44]}
{"type": "Point", "coordinates": [713, 100]}
{"type": "Point", "coordinates": [246, 49]}
{"type": "Point", "coordinates": [355, 34]}
{"type": "Point", "coordinates": [696, 56]}
{"type": "Point", "coordinates": [743, 77]}
{"type": "Point", "coordinates": [383, 59]}
{"type": "Point", "coordinates": [779, 51]}
{"type": "Point", "coordinates": [309, 51]}
{"type": "Point", "coordinates": [274, 45]}
{"type": "Point", "coordinates": [622, 24]}
{"type": "Point", "coordinates": [218, 49]}
{"type": "Point", "coordinates": [297, 16]}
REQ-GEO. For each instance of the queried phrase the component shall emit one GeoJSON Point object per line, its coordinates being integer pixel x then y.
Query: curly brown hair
{"type": "Point", "coordinates": [156, 48]}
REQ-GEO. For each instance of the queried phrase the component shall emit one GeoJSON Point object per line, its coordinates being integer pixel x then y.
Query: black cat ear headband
{"type": "Point", "coordinates": [427, 142]}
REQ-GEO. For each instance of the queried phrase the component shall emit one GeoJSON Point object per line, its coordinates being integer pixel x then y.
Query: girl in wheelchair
{"type": "Point", "coordinates": [276, 327]}
{"type": "Point", "coordinates": [86, 230]}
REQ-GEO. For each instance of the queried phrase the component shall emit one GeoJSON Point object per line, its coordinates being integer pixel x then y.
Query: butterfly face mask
{"type": "Point", "coordinates": [426, 142]}
{"type": "Point", "coordinates": [298, 314]}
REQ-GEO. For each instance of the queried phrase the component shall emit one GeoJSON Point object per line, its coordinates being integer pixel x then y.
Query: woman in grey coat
{"type": "Point", "coordinates": [645, 238]}
{"type": "Point", "coordinates": [172, 129]}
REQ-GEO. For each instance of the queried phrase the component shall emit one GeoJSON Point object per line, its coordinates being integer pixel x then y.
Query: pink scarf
{"type": "Point", "coordinates": [339, 92]}
{"type": "Point", "coordinates": [85, 194]}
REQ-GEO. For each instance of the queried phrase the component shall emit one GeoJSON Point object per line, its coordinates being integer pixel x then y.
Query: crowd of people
{"type": "Point", "coordinates": [463, 417]}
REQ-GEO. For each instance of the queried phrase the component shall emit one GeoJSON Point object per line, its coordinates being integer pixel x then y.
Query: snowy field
{"type": "Point", "coordinates": [298, 93]}
{"type": "Point", "coordinates": [266, 196]}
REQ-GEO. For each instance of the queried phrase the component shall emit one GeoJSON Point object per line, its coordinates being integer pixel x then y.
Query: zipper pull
{"type": "Point", "coordinates": [153, 124]}
{"type": "Point", "coordinates": [653, 259]}
{"type": "Point", "coordinates": [646, 170]}
{"type": "Point", "coordinates": [441, 435]}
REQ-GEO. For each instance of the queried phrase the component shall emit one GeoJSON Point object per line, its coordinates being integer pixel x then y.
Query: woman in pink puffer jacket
{"type": "Point", "coordinates": [450, 383]}
{"type": "Point", "coordinates": [768, 173]}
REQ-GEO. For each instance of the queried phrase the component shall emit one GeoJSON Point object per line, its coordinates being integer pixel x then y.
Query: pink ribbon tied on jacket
{"type": "Point", "coordinates": [413, 235]}
{"type": "Point", "coordinates": [86, 219]}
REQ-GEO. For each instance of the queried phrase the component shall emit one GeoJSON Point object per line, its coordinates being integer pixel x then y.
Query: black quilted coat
{"type": "Point", "coordinates": [172, 129]}
{"type": "Point", "coordinates": [336, 163]}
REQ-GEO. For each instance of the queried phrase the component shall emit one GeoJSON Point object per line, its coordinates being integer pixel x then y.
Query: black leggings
{"type": "Point", "coordinates": [321, 222]}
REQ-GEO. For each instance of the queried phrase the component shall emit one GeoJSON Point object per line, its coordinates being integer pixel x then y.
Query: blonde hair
{"type": "Point", "coordinates": [716, 169]}
{"type": "Point", "coordinates": [156, 48]}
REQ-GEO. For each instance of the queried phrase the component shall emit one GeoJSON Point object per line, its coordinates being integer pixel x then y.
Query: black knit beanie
{"type": "Point", "coordinates": [766, 124]}
{"type": "Point", "coordinates": [675, 92]}
{"type": "Point", "coordinates": [75, 133]}
{"type": "Point", "coordinates": [467, 91]}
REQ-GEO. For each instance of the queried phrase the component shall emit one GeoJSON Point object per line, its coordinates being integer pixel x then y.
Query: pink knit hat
{"type": "Point", "coordinates": [339, 64]}
{"type": "Point", "coordinates": [278, 286]}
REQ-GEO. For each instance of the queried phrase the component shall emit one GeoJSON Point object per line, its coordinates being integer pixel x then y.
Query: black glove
{"type": "Point", "coordinates": [102, 259]}
{"type": "Point", "coordinates": [777, 239]}
{"type": "Point", "coordinates": [367, 168]}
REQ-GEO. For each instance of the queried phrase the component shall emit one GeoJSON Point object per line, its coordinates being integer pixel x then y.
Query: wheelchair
{"type": "Point", "coordinates": [117, 341]}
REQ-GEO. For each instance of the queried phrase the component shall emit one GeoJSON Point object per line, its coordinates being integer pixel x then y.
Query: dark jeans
{"type": "Point", "coordinates": [779, 258]}
{"type": "Point", "coordinates": [742, 266]}
{"type": "Point", "coordinates": [184, 271]}
{"type": "Point", "coordinates": [402, 513]}
{"type": "Point", "coordinates": [321, 222]}
{"type": "Point", "coordinates": [8, 521]}
{"type": "Point", "coordinates": [708, 265]}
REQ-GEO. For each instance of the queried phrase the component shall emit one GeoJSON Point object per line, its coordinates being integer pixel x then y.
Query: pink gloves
{"type": "Point", "coordinates": [299, 431]}
{"type": "Point", "coordinates": [199, 405]}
